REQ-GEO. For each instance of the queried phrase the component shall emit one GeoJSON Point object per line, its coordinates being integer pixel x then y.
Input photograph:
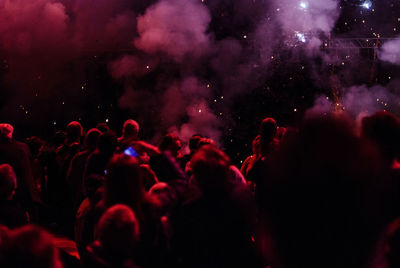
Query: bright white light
{"type": "Point", "coordinates": [303, 5]}
{"type": "Point", "coordinates": [367, 4]}
{"type": "Point", "coordinates": [301, 37]}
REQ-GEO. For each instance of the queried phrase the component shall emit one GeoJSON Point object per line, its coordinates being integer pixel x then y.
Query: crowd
{"type": "Point", "coordinates": [323, 194]}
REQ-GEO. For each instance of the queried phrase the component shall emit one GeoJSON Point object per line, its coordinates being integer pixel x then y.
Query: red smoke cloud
{"type": "Point", "coordinates": [174, 27]}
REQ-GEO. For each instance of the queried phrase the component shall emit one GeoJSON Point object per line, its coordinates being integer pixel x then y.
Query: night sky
{"type": "Point", "coordinates": [214, 67]}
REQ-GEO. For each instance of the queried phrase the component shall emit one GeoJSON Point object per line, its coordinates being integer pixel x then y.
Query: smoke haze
{"type": "Point", "coordinates": [181, 65]}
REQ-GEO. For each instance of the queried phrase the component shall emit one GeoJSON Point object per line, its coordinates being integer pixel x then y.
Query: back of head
{"type": "Point", "coordinates": [165, 195]}
{"type": "Point", "coordinates": [34, 143]}
{"type": "Point", "coordinates": [383, 129]}
{"type": "Point", "coordinates": [103, 127]}
{"type": "Point", "coordinates": [91, 138]}
{"type": "Point", "coordinates": [210, 168]}
{"type": "Point", "coordinates": [8, 182]}
{"type": "Point", "coordinates": [59, 138]}
{"type": "Point", "coordinates": [30, 246]}
{"type": "Point", "coordinates": [268, 129]}
{"type": "Point", "coordinates": [130, 129]}
{"type": "Point", "coordinates": [170, 142]}
{"type": "Point", "coordinates": [322, 199]}
{"type": "Point", "coordinates": [6, 131]}
{"type": "Point", "coordinates": [74, 131]}
{"type": "Point", "coordinates": [123, 184]}
{"type": "Point", "coordinates": [92, 183]}
{"type": "Point", "coordinates": [204, 141]}
{"type": "Point", "coordinates": [194, 140]}
{"type": "Point", "coordinates": [118, 231]}
{"type": "Point", "coordinates": [107, 142]}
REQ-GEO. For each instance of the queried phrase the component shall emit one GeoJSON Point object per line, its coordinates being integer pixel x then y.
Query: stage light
{"type": "Point", "coordinates": [301, 37]}
{"type": "Point", "coordinates": [303, 5]}
{"type": "Point", "coordinates": [367, 4]}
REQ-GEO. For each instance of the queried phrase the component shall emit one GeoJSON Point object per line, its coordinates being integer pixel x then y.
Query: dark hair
{"type": "Point", "coordinates": [34, 143]}
{"type": "Point", "coordinates": [171, 143]}
{"type": "Point", "coordinates": [107, 142]}
{"type": "Point", "coordinates": [118, 230]}
{"type": "Point", "coordinates": [268, 129]}
{"type": "Point", "coordinates": [167, 141]}
{"type": "Point", "coordinates": [383, 128]}
{"type": "Point", "coordinates": [123, 184]}
{"type": "Point", "coordinates": [210, 167]}
{"type": "Point", "coordinates": [91, 138]}
{"type": "Point", "coordinates": [74, 131]}
{"type": "Point", "coordinates": [193, 142]}
{"type": "Point", "coordinates": [331, 181]}
{"type": "Point", "coordinates": [130, 128]}
{"type": "Point", "coordinates": [92, 183]}
{"type": "Point", "coordinates": [59, 137]}
{"type": "Point", "coordinates": [103, 127]}
{"type": "Point", "coordinates": [29, 246]}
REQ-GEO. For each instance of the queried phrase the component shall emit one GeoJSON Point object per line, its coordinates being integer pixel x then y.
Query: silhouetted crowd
{"type": "Point", "coordinates": [323, 194]}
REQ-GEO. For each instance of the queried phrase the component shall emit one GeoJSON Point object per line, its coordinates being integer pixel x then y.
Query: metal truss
{"type": "Point", "coordinates": [355, 43]}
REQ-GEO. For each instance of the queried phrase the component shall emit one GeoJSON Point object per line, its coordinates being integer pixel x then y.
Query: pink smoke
{"type": "Point", "coordinates": [32, 26]}
{"type": "Point", "coordinates": [174, 27]}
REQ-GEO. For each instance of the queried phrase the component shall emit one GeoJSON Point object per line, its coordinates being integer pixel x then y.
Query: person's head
{"type": "Point", "coordinates": [59, 138]}
{"type": "Point", "coordinates": [30, 246]}
{"type": "Point", "coordinates": [331, 182]}
{"type": "Point", "coordinates": [118, 231]}
{"type": "Point", "coordinates": [34, 143]}
{"type": "Point", "coordinates": [74, 131]}
{"type": "Point", "coordinates": [103, 127]}
{"type": "Point", "coordinates": [204, 141]}
{"type": "Point", "coordinates": [130, 129]}
{"type": "Point", "coordinates": [194, 140]}
{"type": "Point", "coordinates": [281, 132]}
{"type": "Point", "coordinates": [383, 129]}
{"type": "Point", "coordinates": [164, 194]}
{"type": "Point", "coordinates": [210, 168]}
{"type": "Point", "coordinates": [268, 129]}
{"type": "Point", "coordinates": [107, 142]}
{"type": "Point", "coordinates": [8, 182]}
{"type": "Point", "coordinates": [91, 138]}
{"type": "Point", "coordinates": [6, 131]}
{"type": "Point", "coordinates": [92, 183]}
{"type": "Point", "coordinates": [171, 143]}
{"type": "Point", "coordinates": [123, 183]}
